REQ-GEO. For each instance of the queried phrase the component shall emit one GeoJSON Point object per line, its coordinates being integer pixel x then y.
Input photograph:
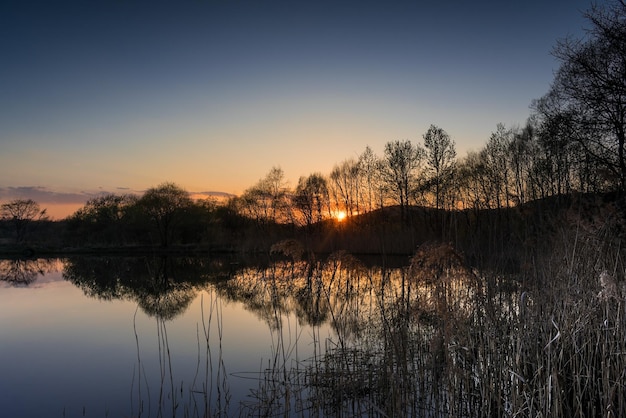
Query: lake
{"type": "Point", "coordinates": [177, 346]}
{"type": "Point", "coordinates": [336, 336]}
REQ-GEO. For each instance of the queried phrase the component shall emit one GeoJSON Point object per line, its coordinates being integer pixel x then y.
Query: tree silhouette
{"type": "Point", "coordinates": [311, 198]}
{"type": "Point", "coordinates": [590, 87]}
{"type": "Point", "coordinates": [401, 161]}
{"type": "Point", "coordinates": [21, 214]}
{"type": "Point", "coordinates": [165, 205]}
{"type": "Point", "coordinates": [267, 201]}
{"type": "Point", "coordinates": [103, 219]}
{"type": "Point", "coordinates": [345, 179]}
{"type": "Point", "coordinates": [440, 156]}
{"type": "Point", "coordinates": [369, 165]}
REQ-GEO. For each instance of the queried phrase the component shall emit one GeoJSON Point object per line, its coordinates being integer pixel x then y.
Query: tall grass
{"type": "Point", "coordinates": [443, 340]}
{"type": "Point", "coordinates": [208, 394]}
{"type": "Point", "coordinates": [578, 365]}
{"type": "Point", "coordinates": [433, 339]}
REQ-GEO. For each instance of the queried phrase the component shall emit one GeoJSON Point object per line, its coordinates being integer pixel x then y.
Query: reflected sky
{"type": "Point", "coordinates": [68, 351]}
{"type": "Point", "coordinates": [245, 340]}
{"type": "Point", "coordinates": [423, 339]}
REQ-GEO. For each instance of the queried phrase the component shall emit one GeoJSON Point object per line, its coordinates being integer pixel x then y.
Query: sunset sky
{"type": "Point", "coordinates": [121, 95]}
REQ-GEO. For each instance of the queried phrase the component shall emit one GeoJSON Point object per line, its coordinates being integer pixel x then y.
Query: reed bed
{"type": "Point", "coordinates": [441, 340]}
{"type": "Point", "coordinates": [433, 339]}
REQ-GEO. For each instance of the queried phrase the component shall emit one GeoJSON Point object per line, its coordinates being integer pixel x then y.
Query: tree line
{"type": "Point", "coordinates": [573, 141]}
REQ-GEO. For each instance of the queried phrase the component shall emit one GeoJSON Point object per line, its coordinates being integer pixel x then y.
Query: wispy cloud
{"type": "Point", "coordinates": [214, 194]}
{"type": "Point", "coordinates": [60, 204]}
{"type": "Point", "coordinates": [45, 195]}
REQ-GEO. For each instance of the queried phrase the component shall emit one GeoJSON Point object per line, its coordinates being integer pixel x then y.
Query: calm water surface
{"type": "Point", "coordinates": [195, 337]}
{"type": "Point", "coordinates": [79, 349]}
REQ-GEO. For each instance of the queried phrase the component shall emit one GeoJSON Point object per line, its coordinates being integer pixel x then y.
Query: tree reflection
{"type": "Point", "coordinates": [163, 287]}
{"type": "Point", "coordinates": [426, 339]}
{"type": "Point", "coordinates": [315, 292]}
{"type": "Point", "coordinates": [22, 272]}
{"type": "Point", "coordinates": [406, 341]}
{"type": "Point", "coordinates": [403, 337]}
{"type": "Point", "coordinates": [431, 338]}
{"type": "Point", "coordinates": [311, 307]}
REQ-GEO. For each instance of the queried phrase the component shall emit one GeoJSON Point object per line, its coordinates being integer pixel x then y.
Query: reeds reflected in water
{"type": "Point", "coordinates": [434, 338]}
{"type": "Point", "coordinates": [206, 394]}
{"type": "Point", "coordinates": [438, 339]}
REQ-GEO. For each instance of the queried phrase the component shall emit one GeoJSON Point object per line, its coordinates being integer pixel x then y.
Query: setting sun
{"type": "Point", "coordinates": [340, 215]}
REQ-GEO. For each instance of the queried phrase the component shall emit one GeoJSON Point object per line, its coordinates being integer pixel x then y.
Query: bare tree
{"type": "Point", "coordinates": [573, 148]}
{"type": "Point", "coordinates": [21, 214]}
{"type": "Point", "coordinates": [266, 201]}
{"type": "Point", "coordinates": [591, 86]}
{"type": "Point", "coordinates": [525, 162]}
{"type": "Point", "coordinates": [369, 165]}
{"type": "Point", "coordinates": [311, 198]}
{"type": "Point", "coordinates": [473, 182]}
{"type": "Point", "coordinates": [401, 162]}
{"type": "Point", "coordinates": [495, 156]}
{"type": "Point", "coordinates": [440, 160]}
{"type": "Point", "coordinates": [275, 185]}
{"type": "Point", "coordinates": [345, 179]}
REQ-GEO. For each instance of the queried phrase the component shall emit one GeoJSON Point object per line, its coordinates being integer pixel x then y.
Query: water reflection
{"type": "Point", "coordinates": [24, 272]}
{"type": "Point", "coordinates": [162, 286]}
{"type": "Point", "coordinates": [345, 339]}
{"type": "Point", "coordinates": [402, 344]}
{"type": "Point", "coordinates": [159, 391]}
{"type": "Point", "coordinates": [330, 291]}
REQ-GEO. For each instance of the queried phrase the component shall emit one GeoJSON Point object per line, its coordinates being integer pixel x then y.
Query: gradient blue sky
{"type": "Point", "coordinates": [121, 95]}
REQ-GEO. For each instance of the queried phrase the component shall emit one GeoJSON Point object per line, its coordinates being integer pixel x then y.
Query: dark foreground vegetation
{"type": "Point", "coordinates": [432, 337]}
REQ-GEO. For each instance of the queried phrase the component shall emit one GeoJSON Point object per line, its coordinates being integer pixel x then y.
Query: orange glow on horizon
{"type": "Point", "coordinates": [60, 211]}
{"type": "Point", "coordinates": [340, 215]}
